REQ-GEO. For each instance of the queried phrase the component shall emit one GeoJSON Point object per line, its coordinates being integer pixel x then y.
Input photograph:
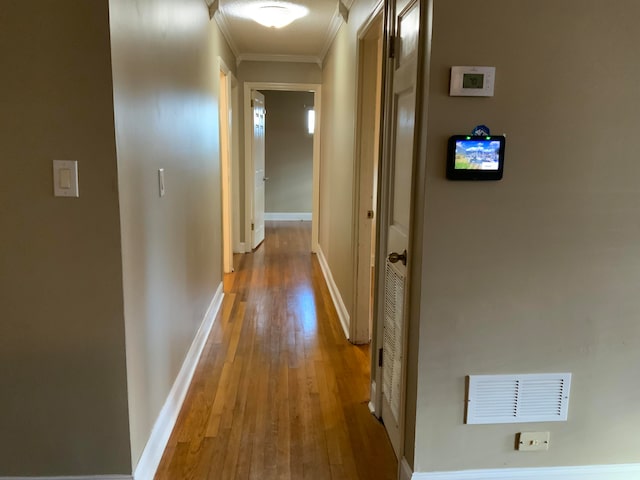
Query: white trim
{"type": "Point", "coordinates": [241, 247]}
{"type": "Point", "coordinates": [89, 477]}
{"type": "Point", "coordinates": [223, 25]}
{"type": "Point", "coordinates": [332, 31]}
{"type": "Point", "coordinates": [406, 473]}
{"type": "Point", "coordinates": [152, 454]}
{"type": "Point", "coordinates": [265, 57]}
{"type": "Point", "coordinates": [343, 314]}
{"type": "Point", "coordinates": [372, 396]}
{"type": "Point", "coordinates": [588, 472]}
{"type": "Point", "coordinates": [288, 216]}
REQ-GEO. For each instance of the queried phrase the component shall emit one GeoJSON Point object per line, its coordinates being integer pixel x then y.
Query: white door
{"type": "Point", "coordinates": [401, 155]}
{"type": "Point", "coordinates": [257, 149]}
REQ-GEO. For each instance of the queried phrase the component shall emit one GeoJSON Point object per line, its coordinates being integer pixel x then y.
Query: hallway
{"type": "Point", "coordinates": [279, 392]}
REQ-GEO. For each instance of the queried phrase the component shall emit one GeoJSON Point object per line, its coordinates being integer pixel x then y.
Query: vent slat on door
{"type": "Point", "coordinates": [518, 398]}
{"type": "Point", "coordinates": [392, 338]}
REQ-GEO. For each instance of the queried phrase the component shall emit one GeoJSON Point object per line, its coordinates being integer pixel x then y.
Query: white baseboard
{"type": "Point", "coordinates": [90, 477]}
{"type": "Point", "coordinates": [240, 248]}
{"type": "Point", "coordinates": [588, 472]}
{"type": "Point", "coordinates": [152, 453]}
{"type": "Point", "coordinates": [405, 470]}
{"type": "Point", "coordinates": [372, 397]}
{"type": "Point", "coordinates": [287, 216]}
{"type": "Point", "coordinates": [343, 315]}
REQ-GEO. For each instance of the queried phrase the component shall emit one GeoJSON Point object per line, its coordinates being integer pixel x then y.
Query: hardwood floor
{"type": "Point", "coordinates": [279, 393]}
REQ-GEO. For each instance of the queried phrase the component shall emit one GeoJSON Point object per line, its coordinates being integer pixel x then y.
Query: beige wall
{"type": "Point", "coordinates": [166, 82]}
{"type": "Point", "coordinates": [537, 272]}
{"type": "Point", "coordinates": [338, 151]}
{"type": "Point", "coordinates": [62, 355]}
{"type": "Point", "coordinates": [289, 152]}
{"type": "Point", "coordinates": [279, 72]}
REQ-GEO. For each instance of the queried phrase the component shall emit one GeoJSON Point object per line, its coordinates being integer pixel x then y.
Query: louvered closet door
{"type": "Point", "coordinates": [401, 158]}
{"type": "Point", "coordinates": [393, 336]}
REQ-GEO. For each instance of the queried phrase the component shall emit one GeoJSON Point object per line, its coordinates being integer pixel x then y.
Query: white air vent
{"type": "Point", "coordinates": [518, 398]}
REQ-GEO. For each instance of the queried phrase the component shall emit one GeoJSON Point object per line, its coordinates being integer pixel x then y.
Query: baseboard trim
{"type": "Point", "coordinates": [240, 248]}
{"type": "Point", "coordinates": [152, 453]}
{"type": "Point", "coordinates": [406, 473]}
{"type": "Point", "coordinates": [90, 477]}
{"type": "Point", "coordinates": [372, 397]}
{"type": "Point", "coordinates": [288, 216]}
{"type": "Point", "coordinates": [588, 472]}
{"type": "Point", "coordinates": [343, 315]}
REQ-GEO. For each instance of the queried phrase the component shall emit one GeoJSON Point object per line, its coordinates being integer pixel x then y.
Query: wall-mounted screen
{"type": "Point", "coordinates": [475, 158]}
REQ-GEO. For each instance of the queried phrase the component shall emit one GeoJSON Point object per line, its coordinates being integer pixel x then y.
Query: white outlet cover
{"type": "Point", "coordinates": [534, 441]}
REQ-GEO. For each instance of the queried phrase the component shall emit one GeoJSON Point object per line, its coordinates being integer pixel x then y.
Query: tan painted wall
{"type": "Point", "coordinates": [289, 152]}
{"type": "Point", "coordinates": [166, 83]}
{"type": "Point", "coordinates": [62, 355]}
{"type": "Point", "coordinates": [538, 272]}
{"type": "Point", "coordinates": [338, 151]}
{"type": "Point", "coordinates": [279, 72]}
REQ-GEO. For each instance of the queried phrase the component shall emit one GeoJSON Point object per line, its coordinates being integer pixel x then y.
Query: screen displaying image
{"type": "Point", "coordinates": [477, 155]}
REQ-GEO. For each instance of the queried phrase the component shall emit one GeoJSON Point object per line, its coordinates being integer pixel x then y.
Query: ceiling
{"type": "Point", "coordinates": [305, 40]}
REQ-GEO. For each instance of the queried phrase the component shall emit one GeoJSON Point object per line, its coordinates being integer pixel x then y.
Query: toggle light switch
{"type": "Point", "coordinates": [65, 178]}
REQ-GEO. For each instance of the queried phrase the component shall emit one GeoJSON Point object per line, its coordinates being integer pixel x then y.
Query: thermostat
{"type": "Point", "coordinates": [472, 81]}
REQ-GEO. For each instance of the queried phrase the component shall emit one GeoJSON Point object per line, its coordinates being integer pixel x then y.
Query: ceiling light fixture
{"type": "Point", "coordinates": [277, 14]}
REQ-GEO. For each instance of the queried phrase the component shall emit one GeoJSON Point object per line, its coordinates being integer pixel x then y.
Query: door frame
{"type": "Point", "coordinates": [360, 330]}
{"type": "Point", "coordinates": [226, 164]}
{"type": "Point", "coordinates": [248, 158]}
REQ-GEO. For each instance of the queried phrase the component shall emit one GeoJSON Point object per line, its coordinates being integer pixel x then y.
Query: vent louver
{"type": "Point", "coordinates": [518, 398]}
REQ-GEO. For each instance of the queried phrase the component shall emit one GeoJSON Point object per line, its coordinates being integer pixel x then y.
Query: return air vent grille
{"type": "Point", "coordinates": [518, 398]}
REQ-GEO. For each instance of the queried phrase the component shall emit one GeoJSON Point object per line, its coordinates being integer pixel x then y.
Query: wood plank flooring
{"type": "Point", "coordinates": [279, 393]}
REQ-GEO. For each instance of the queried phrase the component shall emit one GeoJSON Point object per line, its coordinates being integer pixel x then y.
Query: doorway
{"type": "Point", "coordinates": [228, 166]}
{"type": "Point", "coordinates": [253, 207]}
{"type": "Point", "coordinates": [368, 131]}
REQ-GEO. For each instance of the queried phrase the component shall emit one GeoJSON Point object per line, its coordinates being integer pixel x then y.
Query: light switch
{"type": "Point", "coordinates": [533, 441]}
{"type": "Point", "coordinates": [161, 181]}
{"type": "Point", "coordinates": [65, 178]}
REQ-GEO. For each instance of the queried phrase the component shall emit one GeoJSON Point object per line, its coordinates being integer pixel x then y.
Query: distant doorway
{"type": "Point", "coordinates": [254, 210]}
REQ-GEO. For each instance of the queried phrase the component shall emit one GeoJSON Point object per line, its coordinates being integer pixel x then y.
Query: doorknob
{"type": "Point", "coordinates": [395, 257]}
{"type": "Point", "coordinates": [264, 179]}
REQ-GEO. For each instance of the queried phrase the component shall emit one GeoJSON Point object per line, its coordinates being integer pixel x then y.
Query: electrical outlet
{"type": "Point", "coordinates": [533, 441]}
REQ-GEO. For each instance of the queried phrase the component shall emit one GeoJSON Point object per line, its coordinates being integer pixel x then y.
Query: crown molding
{"type": "Point", "coordinates": [332, 31]}
{"type": "Point", "coordinates": [223, 25]}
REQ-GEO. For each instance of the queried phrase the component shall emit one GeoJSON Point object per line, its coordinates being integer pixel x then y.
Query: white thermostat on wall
{"type": "Point", "coordinates": [472, 81]}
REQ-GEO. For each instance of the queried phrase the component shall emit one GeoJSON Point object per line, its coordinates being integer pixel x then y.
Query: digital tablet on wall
{"type": "Point", "coordinates": [475, 158]}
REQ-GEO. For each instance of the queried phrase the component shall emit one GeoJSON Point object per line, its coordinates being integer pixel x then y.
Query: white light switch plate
{"type": "Point", "coordinates": [533, 441]}
{"type": "Point", "coordinates": [65, 178]}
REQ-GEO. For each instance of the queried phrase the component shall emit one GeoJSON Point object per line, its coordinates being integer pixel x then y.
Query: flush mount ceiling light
{"type": "Point", "coordinates": [275, 16]}
{"type": "Point", "coordinates": [270, 14]}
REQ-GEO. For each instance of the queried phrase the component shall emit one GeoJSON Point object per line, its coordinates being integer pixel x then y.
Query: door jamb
{"type": "Point", "coordinates": [226, 164]}
{"type": "Point", "coordinates": [248, 159]}
{"type": "Point", "coordinates": [376, 16]}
